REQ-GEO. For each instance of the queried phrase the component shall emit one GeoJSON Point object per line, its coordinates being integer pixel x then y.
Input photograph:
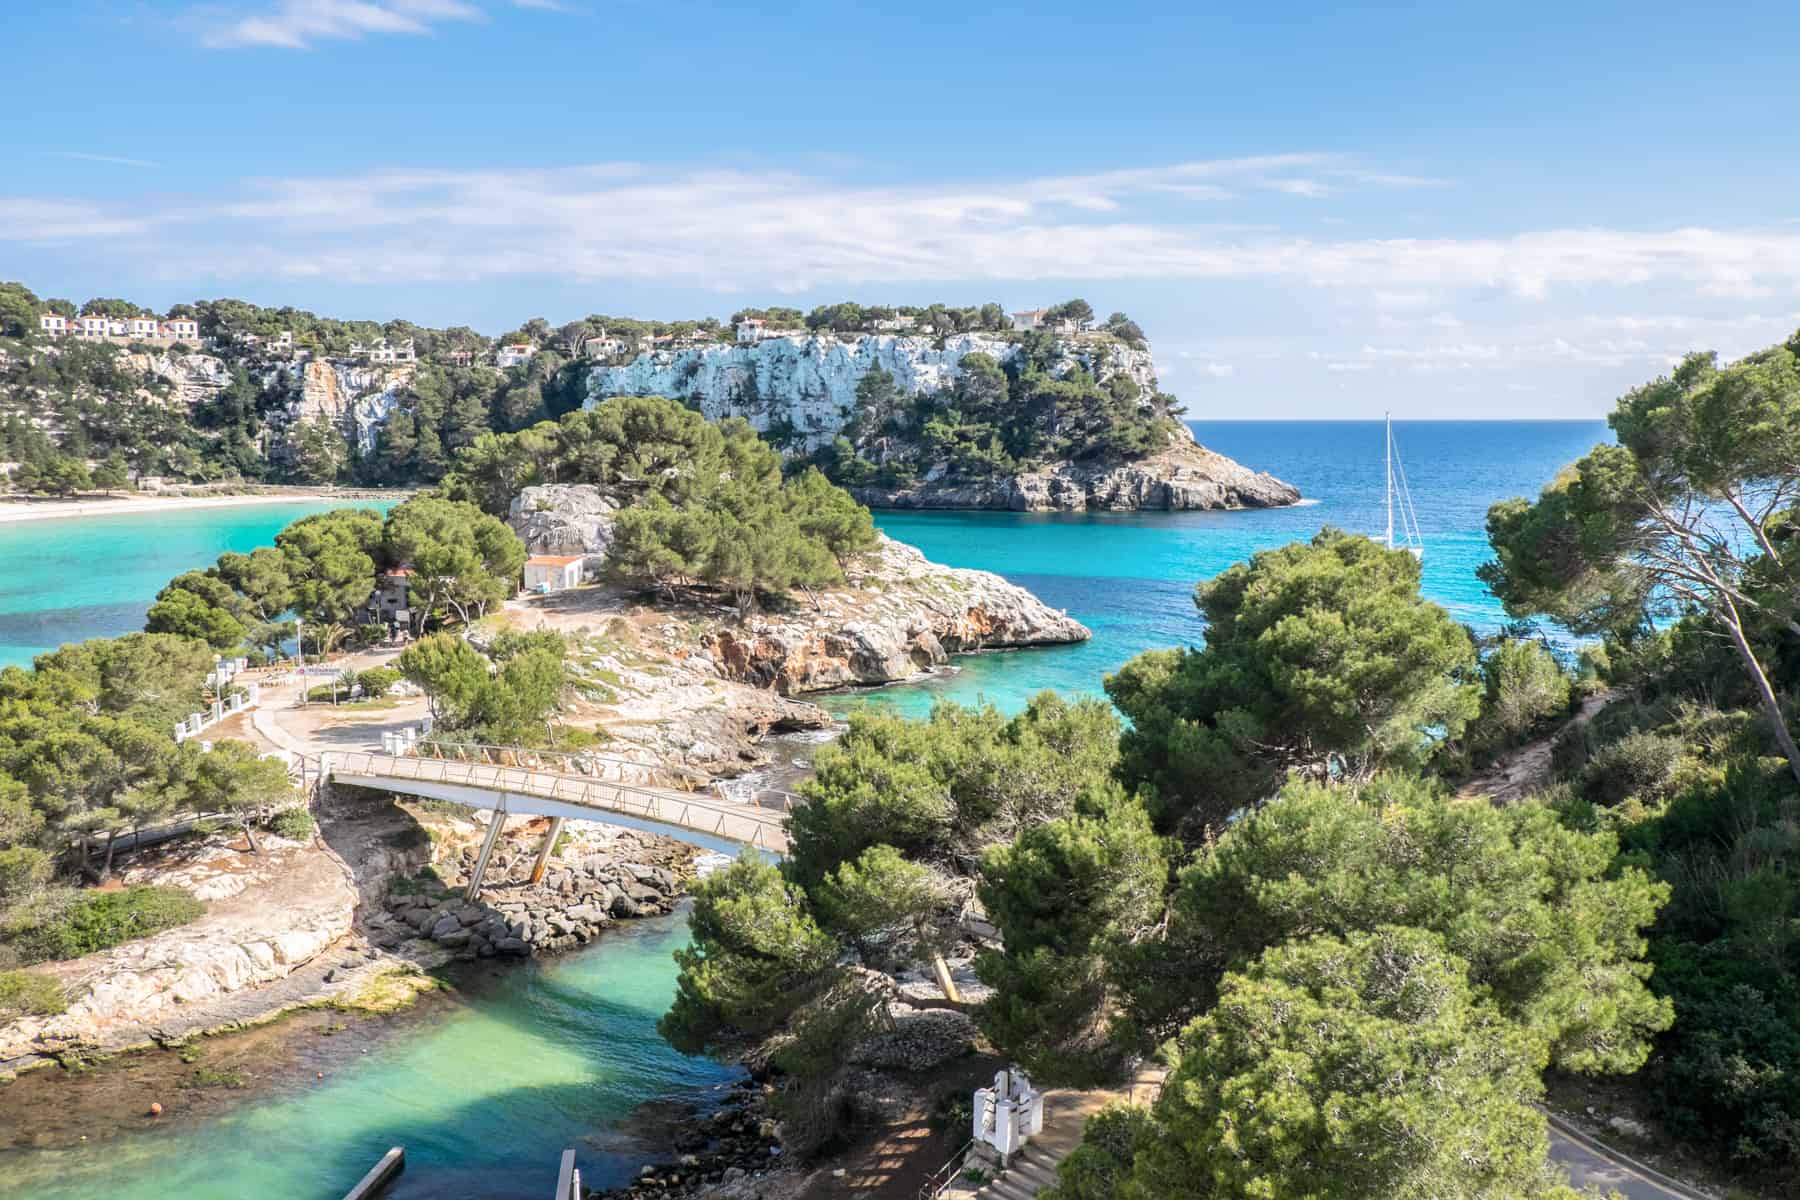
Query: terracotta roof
{"type": "Point", "coordinates": [553, 560]}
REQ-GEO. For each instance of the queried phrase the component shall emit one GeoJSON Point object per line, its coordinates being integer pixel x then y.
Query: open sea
{"type": "Point", "coordinates": [486, 1094]}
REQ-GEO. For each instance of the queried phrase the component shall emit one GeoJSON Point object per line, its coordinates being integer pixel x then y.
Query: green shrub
{"type": "Point", "coordinates": [294, 824]}
{"type": "Point", "coordinates": [377, 680]}
{"type": "Point", "coordinates": [26, 994]}
{"type": "Point", "coordinates": [100, 920]}
{"type": "Point", "coordinates": [1525, 686]}
{"type": "Point", "coordinates": [1638, 766]}
{"type": "Point", "coordinates": [371, 635]}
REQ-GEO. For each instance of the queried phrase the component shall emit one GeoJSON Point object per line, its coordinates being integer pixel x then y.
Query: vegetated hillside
{"type": "Point", "coordinates": [907, 413]}
{"type": "Point", "coordinates": [922, 406]}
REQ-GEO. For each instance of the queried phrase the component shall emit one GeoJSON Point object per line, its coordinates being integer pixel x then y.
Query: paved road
{"type": "Point", "coordinates": [1587, 1168]}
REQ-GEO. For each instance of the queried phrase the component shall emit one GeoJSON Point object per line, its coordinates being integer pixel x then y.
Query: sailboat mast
{"type": "Point", "coordinates": [1390, 479]}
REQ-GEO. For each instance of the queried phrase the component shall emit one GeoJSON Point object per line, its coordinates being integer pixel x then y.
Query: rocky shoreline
{"type": "Point", "coordinates": [638, 875]}
{"type": "Point", "coordinates": [1185, 477]}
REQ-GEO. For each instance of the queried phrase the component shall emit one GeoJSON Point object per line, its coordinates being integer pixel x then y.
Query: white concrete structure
{"type": "Point", "coordinates": [183, 329]}
{"type": "Point", "coordinates": [513, 355]}
{"type": "Point", "coordinates": [1029, 318]}
{"type": "Point", "coordinates": [1009, 1114]}
{"type": "Point", "coordinates": [53, 324]}
{"type": "Point", "coordinates": [143, 327]}
{"type": "Point", "coordinates": [602, 346]}
{"type": "Point", "coordinates": [753, 329]}
{"type": "Point", "coordinates": [554, 572]}
{"type": "Point", "coordinates": [93, 327]}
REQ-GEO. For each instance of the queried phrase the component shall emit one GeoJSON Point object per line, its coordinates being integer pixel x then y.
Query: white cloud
{"type": "Point", "coordinates": [297, 24]}
{"type": "Point", "coordinates": [1219, 370]}
{"type": "Point", "coordinates": [773, 230]}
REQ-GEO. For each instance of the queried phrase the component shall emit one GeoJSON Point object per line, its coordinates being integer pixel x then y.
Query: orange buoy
{"type": "Point", "coordinates": [155, 1109]}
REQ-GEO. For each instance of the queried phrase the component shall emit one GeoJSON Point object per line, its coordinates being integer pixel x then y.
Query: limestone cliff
{"type": "Point", "coordinates": [804, 387]}
{"type": "Point", "coordinates": [357, 399]}
{"type": "Point", "coordinates": [802, 391]}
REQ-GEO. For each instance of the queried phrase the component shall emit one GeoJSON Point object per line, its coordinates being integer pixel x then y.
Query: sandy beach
{"type": "Point", "coordinates": [16, 510]}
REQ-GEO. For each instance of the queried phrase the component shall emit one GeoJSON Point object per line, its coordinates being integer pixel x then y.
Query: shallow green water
{"type": "Point", "coordinates": [74, 578]}
{"type": "Point", "coordinates": [484, 1095]}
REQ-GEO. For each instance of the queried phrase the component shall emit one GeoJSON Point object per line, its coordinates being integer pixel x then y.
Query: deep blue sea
{"type": "Point", "coordinates": [1130, 577]}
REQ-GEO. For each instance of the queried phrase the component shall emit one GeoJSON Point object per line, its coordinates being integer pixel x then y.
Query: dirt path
{"type": "Point", "coordinates": [1525, 770]}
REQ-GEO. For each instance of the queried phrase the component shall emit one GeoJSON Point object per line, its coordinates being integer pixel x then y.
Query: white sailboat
{"type": "Point", "coordinates": [1410, 537]}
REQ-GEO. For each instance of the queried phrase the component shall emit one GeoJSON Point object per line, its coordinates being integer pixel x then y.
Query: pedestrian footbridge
{"type": "Point", "coordinates": [531, 783]}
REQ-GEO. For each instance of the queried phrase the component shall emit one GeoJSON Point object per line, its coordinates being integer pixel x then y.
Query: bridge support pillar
{"type": "Point", "coordinates": [545, 850]}
{"type": "Point", "coordinates": [495, 825]}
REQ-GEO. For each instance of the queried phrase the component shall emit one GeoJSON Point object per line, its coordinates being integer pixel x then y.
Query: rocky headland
{"type": "Point", "coordinates": [803, 391]}
{"type": "Point", "coordinates": [1184, 476]}
{"type": "Point", "coordinates": [687, 682]}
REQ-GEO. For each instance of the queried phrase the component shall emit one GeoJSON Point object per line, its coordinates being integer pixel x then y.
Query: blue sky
{"type": "Point", "coordinates": [1449, 210]}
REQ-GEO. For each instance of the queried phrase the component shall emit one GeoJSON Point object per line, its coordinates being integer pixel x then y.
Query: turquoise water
{"type": "Point", "coordinates": [546, 1055]}
{"type": "Point", "coordinates": [1130, 577]}
{"type": "Point", "coordinates": [484, 1096]}
{"type": "Point", "coordinates": [70, 579]}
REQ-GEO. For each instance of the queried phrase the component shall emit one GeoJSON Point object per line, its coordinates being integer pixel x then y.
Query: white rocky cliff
{"type": "Point", "coordinates": [807, 385]}
{"type": "Point", "coordinates": [801, 390]}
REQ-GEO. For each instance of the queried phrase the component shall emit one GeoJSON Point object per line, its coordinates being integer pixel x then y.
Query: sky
{"type": "Point", "coordinates": [1449, 210]}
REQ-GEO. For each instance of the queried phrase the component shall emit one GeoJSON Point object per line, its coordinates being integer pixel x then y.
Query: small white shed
{"type": "Point", "coordinates": [553, 572]}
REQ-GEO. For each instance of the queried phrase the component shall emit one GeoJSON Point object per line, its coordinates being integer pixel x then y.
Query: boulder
{"type": "Point", "coordinates": [564, 518]}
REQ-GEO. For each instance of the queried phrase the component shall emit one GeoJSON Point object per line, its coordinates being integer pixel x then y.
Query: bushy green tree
{"type": "Point", "coordinates": [942, 791]}
{"type": "Point", "coordinates": [234, 777]}
{"type": "Point", "coordinates": [1065, 895]}
{"type": "Point", "coordinates": [331, 563]}
{"type": "Point", "coordinates": [1101, 1166]}
{"type": "Point", "coordinates": [1321, 658]}
{"type": "Point", "coordinates": [197, 605]}
{"type": "Point", "coordinates": [1551, 929]}
{"type": "Point", "coordinates": [459, 556]}
{"type": "Point", "coordinates": [1363, 1068]}
{"type": "Point", "coordinates": [451, 673]}
{"type": "Point", "coordinates": [757, 955]}
{"type": "Point", "coordinates": [1523, 687]}
{"type": "Point", "coordinates": [1682, 516]}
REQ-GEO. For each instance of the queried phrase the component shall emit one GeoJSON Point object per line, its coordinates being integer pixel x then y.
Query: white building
{"type": "Point", "coordinates": [93, 327]}
{"type": "Point", "coordinates": [384, 351]}
{"type": "Point", "coordinates": [753, 329]}
{"type": "Point", "coordinates": [1030, 318]}
{"type": "Point", "coordinates": [142, 327]}
{"type": "Point", "coordinates": [183, 329]}
{"type": "Point", "coordinates": [513, 355]}
{"type": "Point", "coordinates": [554, 572]}
{"type": "Point", "coordinates": [602, 346]}
{"type": "Point", "coordinates": [895, 324]}
{"type": "Point", "coordinates": [53, 325]}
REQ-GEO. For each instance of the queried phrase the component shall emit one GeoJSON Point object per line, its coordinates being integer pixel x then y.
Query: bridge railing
{"type": "Point", "coordinates": [605, 767]}
{"type": "Point", "coordinates": [750, 825]}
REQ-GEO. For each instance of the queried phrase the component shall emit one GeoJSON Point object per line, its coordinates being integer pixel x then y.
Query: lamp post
{"type": "Point", "coordinates": [300, 654]}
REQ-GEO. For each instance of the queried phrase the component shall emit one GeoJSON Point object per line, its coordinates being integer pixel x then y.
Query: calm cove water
{"type": "Point", "coordinates": [1130, 577]}
{"type": "Point", "coordinates": [485, 1094]}
{"type": "Point", "coordinates": [74, 578]}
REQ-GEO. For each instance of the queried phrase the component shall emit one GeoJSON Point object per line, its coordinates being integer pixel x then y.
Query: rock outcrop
{"type": "Point", "coordinates": [357, 399]}
{"type": "Point", "coordinates": [564, 518]}
{"type": "Point", "coordinates": [910, 615]}
{"type": "Point", "coordinates": [1185, 476]}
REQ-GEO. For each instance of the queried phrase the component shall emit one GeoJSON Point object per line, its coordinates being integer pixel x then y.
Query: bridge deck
{"type": "Point", "coordinates": [555, 793]}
